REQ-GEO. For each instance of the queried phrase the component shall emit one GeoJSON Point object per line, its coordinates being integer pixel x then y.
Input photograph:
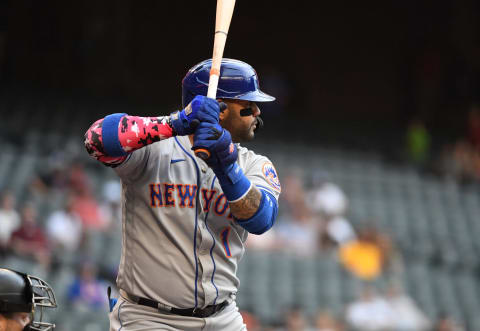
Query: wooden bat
{"type": "Point", "coordinates": [222, 24]}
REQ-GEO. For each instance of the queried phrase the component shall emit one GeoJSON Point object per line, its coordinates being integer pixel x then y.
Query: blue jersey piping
{"type": "Point", "coordinates": [196, 219]}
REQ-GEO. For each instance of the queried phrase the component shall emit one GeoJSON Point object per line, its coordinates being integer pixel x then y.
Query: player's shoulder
{"type": "Point", "coordinates": [248, 156]}
{"type": "Point", "coordinates": [258, 165]}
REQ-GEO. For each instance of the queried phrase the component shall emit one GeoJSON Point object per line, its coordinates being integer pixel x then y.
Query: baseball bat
{"type": "Point", "coordinates": [222, 24]}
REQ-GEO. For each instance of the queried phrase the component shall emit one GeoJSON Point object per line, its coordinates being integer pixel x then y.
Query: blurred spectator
{"type": "Point", "coordinates": [299, 232]}
{"type": "Point", "coordinates": [417, 143]}
{"type": "Point", "coordinates": [327, 198]}
{"type": "Point", "coordinates": [370, 312]}
{"type": "Point", "coordinates": [87, 208]}
{"type": "Point", "coordinates": [251, 321]}
{"type": "Point", "coordinates": [9, 220]}
{"type": "Point", "coordinates": [268, 241]}
{"type": "Point", "coordinates": [465, 163]}
{"type": "Point", "coordinates": [324, 321]}
{"type": "Point", "coordinates": [462, 159]}
{"type": "Point", "coordinates": [111, 208]}
{"type": "Point", "coordinates": [330, 203]}
{"type": "Point", "coordinates": [78, 179]}
{"type": "Point", "coordinates": [339, 230]}
{"type": "Point", "coordinates": [295, 320]}
{"type": "Point", "coordinates": [369, 255]}
{"type": "Point", "coordinates": [30, 240]}
{"type": "Point", "coordinates": [293, 191]}
{"type": "Point", "coordinates": [87, 292]}
{"type": "Point", "coordinates": [447, 323]}
{"type": "Point", "coordinates": [408, 316]}
{"type": "Point", "coordinates": [64, 228]}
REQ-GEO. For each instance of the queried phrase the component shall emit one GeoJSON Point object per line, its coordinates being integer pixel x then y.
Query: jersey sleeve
{"type": "Point", "coordinates": [112, 139]}
{"type": "Point", "coordinates": [262, 173]}
{"type": "Point", "coordinates": [134, 165]}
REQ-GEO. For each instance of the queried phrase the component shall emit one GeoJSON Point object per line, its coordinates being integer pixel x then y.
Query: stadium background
{"type": "Point", "coordinates": [379, 99]}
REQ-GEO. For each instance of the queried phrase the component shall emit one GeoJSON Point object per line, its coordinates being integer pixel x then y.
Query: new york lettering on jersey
{"type": "Point", "coordinates": [184, 196]}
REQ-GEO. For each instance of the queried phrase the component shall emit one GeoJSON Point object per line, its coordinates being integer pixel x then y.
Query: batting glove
{"type": "Point", "coordinates": [217, 143]}
{"type": "Point", "coordinates": [200, 109]}
{"type": "Point", "coordinates": [221, 155]}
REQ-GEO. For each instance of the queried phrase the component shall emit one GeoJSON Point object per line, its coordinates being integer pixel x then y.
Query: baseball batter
{"type": "Point", "coordinates": [185, 219]}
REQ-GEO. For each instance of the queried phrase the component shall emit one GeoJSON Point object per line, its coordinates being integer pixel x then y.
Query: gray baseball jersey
{"type": "Point", "coordinates": [181, 246]}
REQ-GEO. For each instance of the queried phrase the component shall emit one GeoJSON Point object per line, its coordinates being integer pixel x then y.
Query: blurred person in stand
{"type": "Point", "coordinates": [85, 205]}
{"type": "Point", "coordinates": [418, 143]}
{"type": "Point", "coordinates": [462, 159]}
{"type": "Point", "coordinates": [293, 216]}
{"type": "Point", "coordinates": [64, 229]}
{"type": "Point", "coordinates": [295, 320]}
{"type": "Point", "coordinates": [367, 256]}
{"type": "Point", "coordinates": [330, 204]}
{"type": "Point", "coordinates": [9, 220]}
{"type": "Point", "coordinates": [29, 240]}
{"type": "Point", "coordinates": [251, 321]}
{"type": "Point", "coordinates": [370, 312]}
{"type": "Point", "coordinates": [325, 321]}
{"type": "Point", "coordinates": [447, 323]}
{"type": "Point", "coordinates": [87, 291]}
{"type": "Point", "coordinates": [111, 208]}
{"type": "Point", "coordinates": [407, 314]}
{"type": "Point", "coordinates": [298, 232]}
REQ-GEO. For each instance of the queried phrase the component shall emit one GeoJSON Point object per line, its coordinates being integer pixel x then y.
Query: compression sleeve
{"type": "Point", "coordinates": [110, 139]}
{"type": "Point", "coordinates": [265, 216]}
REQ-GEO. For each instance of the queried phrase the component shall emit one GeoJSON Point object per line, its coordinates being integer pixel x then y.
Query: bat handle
{"type": "Point", "coordinates": [202, 153]}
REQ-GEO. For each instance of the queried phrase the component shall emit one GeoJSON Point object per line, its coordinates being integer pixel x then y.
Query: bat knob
{"type": "Point", "coordinates": [202, 153]}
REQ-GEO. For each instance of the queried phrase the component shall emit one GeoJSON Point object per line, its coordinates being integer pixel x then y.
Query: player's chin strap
{"type": "Point", "coordinates": [248, 112]}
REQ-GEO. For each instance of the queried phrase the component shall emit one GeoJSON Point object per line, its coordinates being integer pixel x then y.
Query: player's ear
{"type": "Point", "coordinates": [224, 109]}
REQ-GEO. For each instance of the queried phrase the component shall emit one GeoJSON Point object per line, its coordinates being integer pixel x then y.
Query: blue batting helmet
{"type": "Point", "coordinates": [238, 80]}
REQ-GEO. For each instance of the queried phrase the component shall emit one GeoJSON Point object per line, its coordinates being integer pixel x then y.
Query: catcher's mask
{"type": "Point", "coordinates": [20, 292]}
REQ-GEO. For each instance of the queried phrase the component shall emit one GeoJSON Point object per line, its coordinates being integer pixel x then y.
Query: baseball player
{"type": "Point", "coordinates": [22, 300]}
{"type": "Point", "coordinates": [185, 219]}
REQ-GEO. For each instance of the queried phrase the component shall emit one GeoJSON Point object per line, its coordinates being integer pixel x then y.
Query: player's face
{"type": "Point", "coordinates": [16, 322]}
{"type": "Point", "coordinates": [240, 127]}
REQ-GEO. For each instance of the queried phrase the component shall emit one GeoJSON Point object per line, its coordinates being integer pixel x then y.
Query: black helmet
{"type": "Point", "coordinates": [20, 292]}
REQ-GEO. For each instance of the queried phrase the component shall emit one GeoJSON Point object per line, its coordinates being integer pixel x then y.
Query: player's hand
{"type": "Point", "coordinates": [218, 143]}
{"type": "Point", "coordinates": [200, 109]}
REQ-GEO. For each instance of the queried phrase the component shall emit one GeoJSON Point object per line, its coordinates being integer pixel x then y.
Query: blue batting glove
{"type": "Point", "coordinates": [200, 109]}
{"type": "Point", "coordinates": [218, 142]}
{"type": "Point", "coordinates": [221, 155]}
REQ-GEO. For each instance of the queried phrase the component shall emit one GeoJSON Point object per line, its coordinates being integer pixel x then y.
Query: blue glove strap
{"type": "Point", "coordinates": [111, 144]}
{"type": "Point", "coordinates": [265, 216]}
{"type": "Point", "coordinates": [233, 182]}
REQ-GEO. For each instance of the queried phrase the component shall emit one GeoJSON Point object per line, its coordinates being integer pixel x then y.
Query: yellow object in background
{"type": "Point", "coordinates": [363, 259]}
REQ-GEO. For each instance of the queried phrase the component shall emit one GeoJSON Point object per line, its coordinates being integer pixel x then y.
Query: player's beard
{"type": "Point", "coordinates": [239, 130]}
{"type": "Point", "coordinates": [242, 133]}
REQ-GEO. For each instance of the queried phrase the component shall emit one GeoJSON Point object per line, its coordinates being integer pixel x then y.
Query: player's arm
{"type": "Point", "coordinates": [253, 209]}
{"type": "Point", "coordinates": [112, 138]}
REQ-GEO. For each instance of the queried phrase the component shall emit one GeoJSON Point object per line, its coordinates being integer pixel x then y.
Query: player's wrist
{"type": "Point", "coordinates": [233, 181]}
{"type": "Point", "coordinates": [170, 124]}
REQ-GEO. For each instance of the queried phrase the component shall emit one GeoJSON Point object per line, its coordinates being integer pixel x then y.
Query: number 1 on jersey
{"type": "Point", "coordinates": [224, 235]}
